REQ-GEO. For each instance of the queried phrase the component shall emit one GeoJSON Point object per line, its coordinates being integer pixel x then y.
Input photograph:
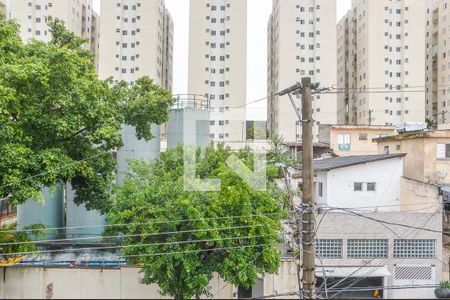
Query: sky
{"type": "Point", "coordinates": [258, 15]}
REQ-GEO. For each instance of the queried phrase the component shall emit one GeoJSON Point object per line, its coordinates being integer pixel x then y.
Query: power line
{"type": "Point", "coordinates": [381, 263]}
{"type": "Point", "coordinates": [193, 251]}
{"type": "Point", "coordinates": [135, 245]}
{"type": "Point", "coordinates": [133, 235]}
{"type": "Point", "coordinates": [388, 222]}
{"type": "Point", "coordinates": [140, 224]}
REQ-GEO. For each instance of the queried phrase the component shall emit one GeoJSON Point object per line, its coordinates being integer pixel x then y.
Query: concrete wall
{"type": "Point", "coordinates": [358, 147]}
{"type": "Point", "coordinates": [339, 225]}
{"type": "Point", "coordinates": [421, 163]}
{"type": "Point", "coordinates": [32, 283]}
{"type": "Point", "coordinates": [418, 196]}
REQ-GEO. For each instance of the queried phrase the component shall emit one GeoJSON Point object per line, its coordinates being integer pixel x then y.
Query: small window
{"type": "Point", "coordinates": [358, 187]}
{"type": "Point", "coordinates": [329, 249]}
{"type": "Point", "coordinates": [418, 249]}
{"type": "Point", "coordinates": [320, 189]}
{"type": "Point", "coordinates": [363, 136]}
{"type": "Point", "coordinates": [443, 151]}
{"type": "Point", "coordinates": [371, 186]}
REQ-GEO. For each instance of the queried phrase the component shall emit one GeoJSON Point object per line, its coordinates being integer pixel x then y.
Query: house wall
{"type": "Point", "coordinates": [418, 195]}
{"type": "Point", "coordinates": [340, 225]}
{"type": "Point", "coordinates": [339, 184]}
{"type": "Point", "coordinates": [358, 147]}
{"type": "Point", "coordinates": [421, 162]}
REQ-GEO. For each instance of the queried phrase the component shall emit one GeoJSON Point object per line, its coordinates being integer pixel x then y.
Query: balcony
{"type": "Point", "coordinates": [435, 64]}
{"type": "Point", "coordinates": [434, 50]}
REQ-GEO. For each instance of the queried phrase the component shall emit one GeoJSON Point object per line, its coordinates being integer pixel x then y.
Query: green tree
{"type": "Point", "coordinates": [59, 122]}
{"type": "Point", "coordinates": [154, 191]}
{"type": "Point", "coordinates": [18, 241]}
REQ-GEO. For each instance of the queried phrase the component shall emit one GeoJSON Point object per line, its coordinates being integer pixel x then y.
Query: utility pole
{"type": "Point", "coordinates": [297, 225]}
{"type": "Point", "coordinates": [308, 230]}
{"type": "Point", "coordinates": [306, 240]}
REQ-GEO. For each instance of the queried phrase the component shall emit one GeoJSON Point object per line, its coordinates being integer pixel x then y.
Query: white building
{"type": "Point", "coordinates": [3, 6]}
{"type": "Point", "coordinates": [380, 49]}
{"type": "Point", "coordinates": [218, 63]}
{"type": "Point", "coordinates": [136, 40]}
{"type": "Point", "coordinates": [300, 37]}
{"type": "Point", "coordinates": [357, 241]}
{"type": "Point", "coordinates": [359, 181]}
{"type": "Point", "coordinates": [438, 64]}
{"type": "Point", "coordinates": [78, 16]}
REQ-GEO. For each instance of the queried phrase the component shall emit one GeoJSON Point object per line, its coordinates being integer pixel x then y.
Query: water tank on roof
{"type": "Point", "coordinates": [189, 122]}
{"type": "Point", "coordinates": [133, 148]}
{"type": "Point", "coordinates": [49, 213]}
{"type": "Point", "coordinates": [82, 223]}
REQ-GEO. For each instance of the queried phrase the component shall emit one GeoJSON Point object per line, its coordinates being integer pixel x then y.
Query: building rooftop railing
{"type": "Point", "coordinates": [184, 101]}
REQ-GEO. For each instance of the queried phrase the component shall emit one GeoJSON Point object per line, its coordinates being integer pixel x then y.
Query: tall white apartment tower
{"type": "Point", "coordinates": [381, 62]}
{"type": "Point", "coordinates": [78, 16]}
{"type": "Point", "coordinates": [3, 6]}
{"type": "Point", "coordinates": [301, 34]}
{"type": "Point", "coordinates": [136, 40]}
{"type": "Point", "coordinates": [438, 64]}
{"type": "Point", "coordinates": [218, 63]}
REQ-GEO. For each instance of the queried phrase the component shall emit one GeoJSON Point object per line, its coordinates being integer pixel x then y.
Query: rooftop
{"type": "Point", "coordinates": [364, 127]}
{"type": "Point", "coordinates": [321, 165]}
{"type": "Point", "coordinates": [414, 135]}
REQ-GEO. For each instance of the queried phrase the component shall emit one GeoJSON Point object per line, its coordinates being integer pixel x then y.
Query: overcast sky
{"type": "Point", "coordinates": [258, 15]}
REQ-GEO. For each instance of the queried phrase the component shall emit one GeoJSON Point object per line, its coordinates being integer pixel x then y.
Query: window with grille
{"type": "Point", "coordinates": [329, 248]}
{"type": "Point", "coordinates": [415, 248]}
{"type": "Point", "coordinates": [367, 248]}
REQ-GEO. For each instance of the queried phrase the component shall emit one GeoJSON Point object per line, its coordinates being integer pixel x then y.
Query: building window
{"type": "Point", "coordinates": [443, 151]}
{"type": "Point", "coordinates": [371, 186]}
{"type": "Point", "coordinates": [414, 248]}
{"type": "Point", "coordinates": [320, 189]}
{"type": "Point", "coordinates": [358, 187]}
{"type": "Point", "coordinates": [363, 249]}
{"type": "Point", "coordinates": [344, 142]}
{"type": "Point", "coordinates": [329, 249]}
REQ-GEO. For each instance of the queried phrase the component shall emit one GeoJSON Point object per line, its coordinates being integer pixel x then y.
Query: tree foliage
{"type": "Point", "coordinates": [19, 241]}
{"type": "Point", "coordinates": [153, 192]}
{"type": "Point", "coordinates": [59, 122]}
{"type": "Point", "coordinates": [277, 153]}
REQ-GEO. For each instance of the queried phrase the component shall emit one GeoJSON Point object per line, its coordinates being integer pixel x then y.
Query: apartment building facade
{"type": "Point", "coordinates": [438, 64]}
{"type": "Point", "coordinates": [77, 15]}
{"type": "Point", "coordinates": [3, 6]}
{"type": "Point", "coordinates": [300, 36]}
{"type": "Point", "coordinates": [218, 63]}
{"type": "Point", "coordinates": [380, 50]}
{"type": "Point", "coordinates": [136, 40]}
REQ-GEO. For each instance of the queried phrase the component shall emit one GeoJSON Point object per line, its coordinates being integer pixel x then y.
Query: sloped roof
{"type": "Point", "coordinates": [321, 165]}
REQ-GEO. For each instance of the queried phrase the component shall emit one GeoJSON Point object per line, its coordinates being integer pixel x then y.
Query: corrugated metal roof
{"type": "Point", "coordinates": [321, 165]}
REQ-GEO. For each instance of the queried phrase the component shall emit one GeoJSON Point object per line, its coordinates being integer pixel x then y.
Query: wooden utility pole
{"type": "Point", "coordinates": [308, 221]}
{"type": "Point", "coordinates": [305, 219]}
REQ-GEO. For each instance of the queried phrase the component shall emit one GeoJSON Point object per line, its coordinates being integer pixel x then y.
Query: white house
{"type": "Point", "coordinates": [371, 181]}
{"type": "Point", "coordinates": [360, 251]}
